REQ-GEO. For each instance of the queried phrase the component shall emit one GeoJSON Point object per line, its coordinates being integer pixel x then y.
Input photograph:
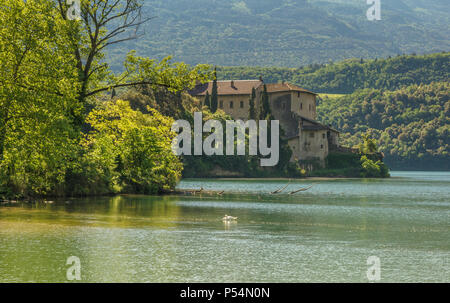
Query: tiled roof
{"type": "Point", "coordinates": [316, 124]}
{"type": "Point", "coordinates": [229, 87]}
{"type": "Point", "coordinates": [314, 127]}
{"type": "Point", "coordinates": [282, 87]}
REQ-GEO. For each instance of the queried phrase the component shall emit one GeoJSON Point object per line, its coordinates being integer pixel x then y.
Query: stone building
{"type": "Point", "coordinates": [293, 106]}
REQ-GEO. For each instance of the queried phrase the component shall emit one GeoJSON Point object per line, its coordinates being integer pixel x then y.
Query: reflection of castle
{"type": "Point", "coordinates": [293, 106]}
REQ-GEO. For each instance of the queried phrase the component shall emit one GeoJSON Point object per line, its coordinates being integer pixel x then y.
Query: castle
{"type": "Point", "coordinates": [293, 106]}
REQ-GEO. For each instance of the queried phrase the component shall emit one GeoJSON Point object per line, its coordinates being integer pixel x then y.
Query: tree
{"type": "Point", "coordinates": [214, 97]}
{"type": "Point", "coordinates": [265, 106]}
{"type": "Point", "coordinates": [207, 101]}
{"type": "Point", "coordinates": [38, 38]}
{"type": "Point", "coordinates": [368, 146]}
{"type": "Point", "coordinates": [252, 110]}
{"type": "Point", "coordinates": [38, 85]}
{"type": "Point", "coordinates": [50, 68]}
{"type": "Point", "coordinates": [109, 22]}
{"type": "Point", "coordinates": [132, 150]}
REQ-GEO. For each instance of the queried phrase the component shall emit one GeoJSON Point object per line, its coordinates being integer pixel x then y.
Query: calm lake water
{"type": "Point", "coordinates": [324, 234]}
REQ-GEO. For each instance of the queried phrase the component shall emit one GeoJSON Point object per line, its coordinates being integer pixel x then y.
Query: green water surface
{"type": "Point", "coordinates": [324, 234]}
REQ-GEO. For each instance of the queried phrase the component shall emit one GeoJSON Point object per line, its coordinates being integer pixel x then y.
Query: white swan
{"type": "Point", "coordinates": [228, 218]}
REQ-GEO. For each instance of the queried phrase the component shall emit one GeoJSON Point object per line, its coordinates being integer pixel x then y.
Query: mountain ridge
{"type": "Point", "coordinates": [288, 33]}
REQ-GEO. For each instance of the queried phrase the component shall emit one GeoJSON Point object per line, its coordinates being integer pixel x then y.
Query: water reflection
{"type": "Point", "coordinates": [325, 234]}
{"type": "Point", "coordinates": [228, 225]}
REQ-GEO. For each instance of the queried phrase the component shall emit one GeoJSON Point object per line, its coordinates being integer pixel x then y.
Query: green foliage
{"type": "Point", "coordinates": [178, 105]}
{"type": "Point", "coordinates": [50, 71]}
{"type": "Point", "coordinates": [338, 160]}
{"type": "Point", "coordinates": [372, 169]}
{"type": "Point", "coordinates": [352, 165]}
{"type": "Point", "coordinates": [368, 145]}
{"type": "Point", "coordinates": [264, 110]}
{"type": "Point", "coordinates": [131, 150]}
{"type": "Point", "coordinates": [37, 99]}
{"type": "Point", "coordinates": [174, 77]}
{"type": "Point", "coordinates": [214, 96]}
{"type": "Point", "coordinates": [207, 101]}
{"type": "Point", "coordinates": [350, 75]}
{"type": "Point", "coordinates": [367, 163]}
{"type": "Point", "coordinates": [252, 107]}
{"type": "Point", "coordinates": [411, 125]}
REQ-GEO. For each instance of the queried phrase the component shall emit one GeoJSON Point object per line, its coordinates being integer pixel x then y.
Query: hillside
{"type": "Point", "coordinates": [353, 74]}
{"type": "Point", "coordinates": [402, 101]}
{"type": "Point", "coordinates": [412, 124]}
{"type": "Point", "coordinates": [290, 33]}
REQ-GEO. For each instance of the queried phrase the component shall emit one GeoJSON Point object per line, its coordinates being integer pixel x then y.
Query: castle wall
{"type": "Point", "coordinates": [313, 145]}
{"type": "Point", "coordinates": [333, 138]}
{"type": "Point", "coordinates": [304, 104]}
{"type": "Point", "coordinates": [237, 106]}
{"type": "Point", "coordinates": [280, 105]}
{"type": "Point", "coordinates": [308, 143]}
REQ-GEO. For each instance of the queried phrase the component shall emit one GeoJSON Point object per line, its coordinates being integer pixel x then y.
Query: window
{"type": "Point", "coordinates": [231, 104]}
{"type": "Point", "coordinates": [221, 104]}
{"type": "Point", "coordinates": [242, 104]}
{"type": "Point", "coordinates": [310, 107]}
{"type": "Point", "coordinates": [301, 106]}
{"type": "Point", "coordinates": [323, 136]}
{"type": "Point", "coordinates": [283, 105]}
{"type": "Point", "coordinates": [298, 94]}
{"type": "Point", "coordinates": [311, 135]}
{"type": "Point", "coordinates": [321, 146]}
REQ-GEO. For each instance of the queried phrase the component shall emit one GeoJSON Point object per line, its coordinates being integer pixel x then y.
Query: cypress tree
{"type": "Point", "coordinates": [214, 93]}
{"type": "Point", "coordinates": [207, 101]}
{"type": "Point", "coordinates": [265, 106]}
{"type": "Point", "coordinates": [252, 110]}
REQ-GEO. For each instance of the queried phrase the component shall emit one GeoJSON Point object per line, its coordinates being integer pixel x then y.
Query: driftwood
{"type": "Point", "coordinates": [199, 191]}
{"type": "Point", "coordinates": [281, 189]}
{"type": "Point", "coordinates": [221, 193]}
{"type": "Point", "coordinates": [299, 190]}
{"type": "Point", "coordinates": [193, 192]}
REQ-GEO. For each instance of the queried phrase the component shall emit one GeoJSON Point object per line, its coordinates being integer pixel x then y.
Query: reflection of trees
{"type": "Point", "coordinates": [134, 211]}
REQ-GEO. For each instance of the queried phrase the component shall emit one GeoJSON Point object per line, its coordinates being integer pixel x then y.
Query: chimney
{"type": "Point", "coordinates": [261, 79]}
{"type": "Point", "coordinates": [232, 83]}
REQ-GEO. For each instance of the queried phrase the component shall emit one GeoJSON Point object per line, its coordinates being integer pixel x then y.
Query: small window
{"type": "Point", "coordinates": [221, 104]}
{"type": "Point", "coordinates": [231, 104]}
{"type": "Point", "coordinates": [311, 135]}
{"type": "Point", "coordinates": [242, 104]}
{"type": "Point", "coordinates": [301, 106]}
{"type": "Point", "coordinates": [310, 107]}
{"type": "Point", "coordinates": [321, 146]}
{"type": "Point", "coordinates": [298, 94]}
{"type": "Point", "coordinates": [283, 105]}
{"type": "Point", "coordinates": [323, 136]}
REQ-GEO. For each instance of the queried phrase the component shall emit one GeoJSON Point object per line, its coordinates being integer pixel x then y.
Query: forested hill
{"type": "Point", "coordinates": [288, 33]}
{"type": "Point", "coordinates": [353, 74]}
{"type": "Point", "coordinates": [412, 124]}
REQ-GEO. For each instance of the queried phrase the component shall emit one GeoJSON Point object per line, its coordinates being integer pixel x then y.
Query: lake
{"type": "Point", "coordinates": [325, 234]}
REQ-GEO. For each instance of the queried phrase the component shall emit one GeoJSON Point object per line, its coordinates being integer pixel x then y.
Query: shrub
{"type": "Point", "coordinates": [128, 151]}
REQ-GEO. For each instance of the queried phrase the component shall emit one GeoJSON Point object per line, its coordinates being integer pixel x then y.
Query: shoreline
{"type": "Point", "coordinates": [280, 179]}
